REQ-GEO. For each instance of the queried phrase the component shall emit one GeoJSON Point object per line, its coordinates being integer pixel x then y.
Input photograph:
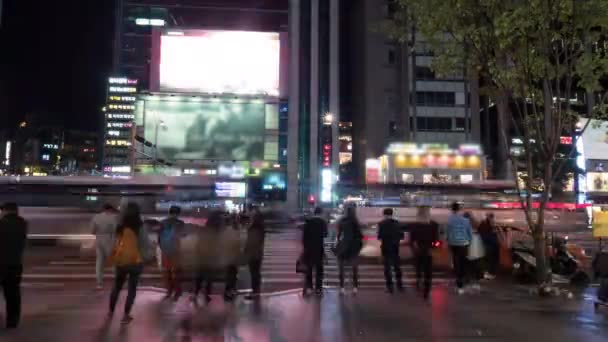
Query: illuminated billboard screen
{"type": "Point", "coordinates": [204, 61]}
{"type": "Point", "coordinates": [188, 130]}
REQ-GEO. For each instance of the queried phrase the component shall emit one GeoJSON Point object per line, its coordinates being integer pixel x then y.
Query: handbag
{"type": "Point", "coordinates": [117, 250]}
{"type": "Point", "coordinates": [476, 248]}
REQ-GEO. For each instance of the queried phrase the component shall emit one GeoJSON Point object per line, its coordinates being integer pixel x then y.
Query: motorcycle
{"type": "Point", "coordinates": [562, 263]}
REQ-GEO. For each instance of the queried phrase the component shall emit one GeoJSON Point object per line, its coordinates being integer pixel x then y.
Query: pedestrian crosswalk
{"type": "Point", "coordinates": [282, 249]}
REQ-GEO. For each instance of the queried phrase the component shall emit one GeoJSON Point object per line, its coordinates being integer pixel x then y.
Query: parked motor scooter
{"type": "Point", "coordinates": [562, 262]}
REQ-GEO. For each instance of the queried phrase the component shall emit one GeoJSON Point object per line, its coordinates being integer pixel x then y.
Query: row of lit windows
{"type": "Point", "coordinates": [113, 142]}
{"type": "Point", "coordinates": [123, 90]}
{"type": "Point", "coordinates": [115, 133]}
{"type": "Point", "coordinates": [122, 98]}
{"type": "Point", "coordinates": [121, 116]}
{"type": "Point", "coordinates": [120, 106]}
{"type": "Point", "coordinates": [120, 124]}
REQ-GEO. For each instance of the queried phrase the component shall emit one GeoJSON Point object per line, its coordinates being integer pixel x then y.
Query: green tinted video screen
{"type": "Point", "coordinates": [205, 130]}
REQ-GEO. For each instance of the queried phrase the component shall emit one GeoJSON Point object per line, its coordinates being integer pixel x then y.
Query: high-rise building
{"type": "Point", "coordinates": [118, 126]}
{"type": "Point", "coordinates": [212, 94]}
{"type": "Point", "coordinates": [396, 96]}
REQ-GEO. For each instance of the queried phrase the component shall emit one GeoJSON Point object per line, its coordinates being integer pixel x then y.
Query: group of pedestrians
{"type": "Point", "coordinates": [122, 241]}
{"type": "Point", "coordinates": [423, 233]}
{"type": "Point", "coordinates": [473, 246]}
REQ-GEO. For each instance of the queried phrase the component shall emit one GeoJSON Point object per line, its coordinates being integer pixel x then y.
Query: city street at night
{"type": "Point", "coordinates": [307, 171]}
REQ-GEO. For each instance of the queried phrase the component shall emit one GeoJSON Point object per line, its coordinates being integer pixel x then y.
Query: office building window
{"type": "Point", "coordinates": [392, 57]}
{"type": "Point", "coordinates": [460, 124]}
{"type": "Point", "coordinates": [392, 129]}
{"type": "Point", "coordinates": [425, 123]}
{"type": "Point", "coordinates": [435, 98]}
{"type": "Point", "coordinates": [424, 73]}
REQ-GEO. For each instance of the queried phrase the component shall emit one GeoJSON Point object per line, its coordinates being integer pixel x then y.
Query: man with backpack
{"type": "Point", "coordinates": [171, 231]}
{"type": "Point", "coordinates": [390, 234]}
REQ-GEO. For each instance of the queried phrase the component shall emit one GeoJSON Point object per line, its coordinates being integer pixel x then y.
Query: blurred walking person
{"type": "Point", "coordinates": [13, 236]}
{"type": "Point", "coordinates": [231, 240]}
{"type": "Point", "coordinates": [207, 252]}
{"type": "Point", "coordinates": [103, 226]}
{"type": "Point", "coordinates": [315, 231]}
{"type": "Point", "coordinates": [390, 235]}
{"type": "Point", "coordinates": [350, 242]}
{"type": "Point", "coordinates": [131, 249]}
{"type": "Point", "coordinates": [254, 252]}
{"type": "Point", "coordinates": [489, 236]}
{"type": "Point", "coordinates": [423, 234]}
{"type": "Point", "coordinates": [169, 235]}
{"type": "Point", "coordinates": [459, 236]}
{"type": "Point", "coordinates": [475, 254]}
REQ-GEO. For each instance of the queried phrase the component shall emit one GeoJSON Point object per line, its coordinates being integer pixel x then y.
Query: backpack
{"type": "Point", "coordinates": [126, 249]}
{"type": "Point", "coordinates": [166, 238]}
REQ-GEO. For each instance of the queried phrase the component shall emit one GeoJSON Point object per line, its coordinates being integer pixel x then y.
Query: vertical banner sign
{"type": "Point", "coordinates": [326, 160]}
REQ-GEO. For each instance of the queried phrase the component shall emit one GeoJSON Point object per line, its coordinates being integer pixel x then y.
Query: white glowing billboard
{"type": "Point", "coordinates": [234, 62]}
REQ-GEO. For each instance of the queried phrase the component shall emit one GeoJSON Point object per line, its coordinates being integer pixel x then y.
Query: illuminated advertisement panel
{"type": "Point", "coordinates": [206, 130]}
{"type": "Point", "coordinates": [231, 189]}
{"type": "Point", "coordinates": [205, 61]}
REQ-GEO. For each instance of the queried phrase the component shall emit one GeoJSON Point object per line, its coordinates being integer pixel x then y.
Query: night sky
{"type": "Point", "coordinates": [54, 59]}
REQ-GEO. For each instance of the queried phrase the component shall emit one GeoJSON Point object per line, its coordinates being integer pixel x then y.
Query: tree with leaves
{"type": "Point", "coordinates": [535, 56]}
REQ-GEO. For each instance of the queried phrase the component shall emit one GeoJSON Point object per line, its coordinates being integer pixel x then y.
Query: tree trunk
{"type": "Point", "coordinates": [540, 254]}
{"type": "Point", "coordinates": [502, 166]}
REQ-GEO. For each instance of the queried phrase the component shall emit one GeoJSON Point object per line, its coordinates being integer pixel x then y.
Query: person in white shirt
{"type": "Point", "coordinates": [103, 226]}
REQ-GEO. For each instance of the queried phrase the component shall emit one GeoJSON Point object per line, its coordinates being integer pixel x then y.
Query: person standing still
{"type": "Point", "coordinates": [348, 247]}
{"type": "Point", "coordinates": [169, 235]}
{"type": "Point", "coordinates": [390, 234]}
{"type": "Point", "coordinates": [103, 226]}
{"type": "Point", "coordinates": [13, 236]}
{"type": "Point", "coordinates": [489, 236]}
{"type": "Point", "coordinates": [130, 251]}
{"type": "Point", "coordinates": [459, 234]}
{"type": "Point", "coordinates": [315, 231]}
{"type": "Point", "coordinates": [423, 233]}
{"type": "Point", "coordinates": [254, 252]}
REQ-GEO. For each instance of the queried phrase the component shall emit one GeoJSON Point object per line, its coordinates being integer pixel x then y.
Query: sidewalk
{"type": "Point", "coordinates": [68, 316]}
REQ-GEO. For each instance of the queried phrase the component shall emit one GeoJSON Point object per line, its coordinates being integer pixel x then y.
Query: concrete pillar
{"type": "Point", "coordinates": [293, 187]}
{"type": "Point", "coordinates": [334, 79]}
{"type": "Point", "coordinates": [314, 99]}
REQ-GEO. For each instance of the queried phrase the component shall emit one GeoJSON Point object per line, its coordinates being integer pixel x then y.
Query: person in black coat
{"type": "Point", "coordinates": [315, 231]}
{"type": "Point", "coordinates": [350, 242]}
{"type": "Point", "coordinates": [390, 234]}
{"type": "Point", "coordinates": [423, 233]}
{"type": "Point", "coordinates": [13, 235]}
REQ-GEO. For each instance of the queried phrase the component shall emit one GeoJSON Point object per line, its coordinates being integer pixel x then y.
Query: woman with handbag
{"type": "Point", "coordinates": [350, 242]}
{"type": "Point", "coordinates": [131, 250]}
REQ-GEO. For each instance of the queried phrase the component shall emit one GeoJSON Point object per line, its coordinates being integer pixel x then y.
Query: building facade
{"type": "Point", "coordinates": [396, 96]}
